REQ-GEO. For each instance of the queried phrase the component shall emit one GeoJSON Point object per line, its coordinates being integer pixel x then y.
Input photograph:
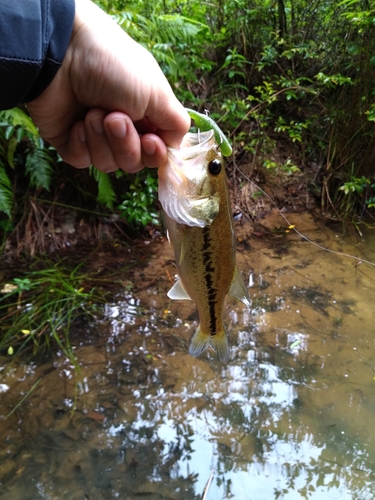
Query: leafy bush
{"type": "Point", "coordinates": [138, 206]}
{"type": "Point", "coordinates": [21, 145]}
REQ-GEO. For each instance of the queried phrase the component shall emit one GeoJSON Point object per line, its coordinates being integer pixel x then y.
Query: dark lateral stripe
{"type": "Point", "coordinates": [209, 269]}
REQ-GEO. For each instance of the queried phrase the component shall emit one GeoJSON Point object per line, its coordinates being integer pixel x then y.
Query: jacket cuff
{"type": "Point", "coordinates": [34, 38]}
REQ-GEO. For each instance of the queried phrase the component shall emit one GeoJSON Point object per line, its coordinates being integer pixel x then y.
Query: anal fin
{"type": "Point", "coordinates": [238, 289]}
{"type": "Point", "coordinates": [178, 292]}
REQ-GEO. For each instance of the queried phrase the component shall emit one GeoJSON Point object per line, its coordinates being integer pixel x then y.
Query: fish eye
{"type": "Point", "coordinates": [214, 167]}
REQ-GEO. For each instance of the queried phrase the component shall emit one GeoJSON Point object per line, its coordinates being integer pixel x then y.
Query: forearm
{"type": "Point", "coordinates": [34, 36]}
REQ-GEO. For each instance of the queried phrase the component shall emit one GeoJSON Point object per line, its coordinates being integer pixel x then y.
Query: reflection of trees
{"type": "Point", "coordinates": [150, 464]}
{"type": "Point", "coordinates": [256, 419]}
{"type": "Point", "coordinates": [249, 419]}
{"type": "Point", "coordinates": [339, 460]}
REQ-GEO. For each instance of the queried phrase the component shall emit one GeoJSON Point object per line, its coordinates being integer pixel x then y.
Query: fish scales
{"type": "Point", "coordinates": [200, 228]}
{"type": "Point", "coordinates": [205, 257]}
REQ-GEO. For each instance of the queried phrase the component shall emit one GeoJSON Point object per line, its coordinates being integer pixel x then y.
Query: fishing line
{"type": "Point", "coordinates": [291, 226]}
{"type": "Point", "coordinates": [208, 484]}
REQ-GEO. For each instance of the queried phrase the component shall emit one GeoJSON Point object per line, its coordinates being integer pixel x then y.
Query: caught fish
{"type": "Point", "coordinates": [194, 195]}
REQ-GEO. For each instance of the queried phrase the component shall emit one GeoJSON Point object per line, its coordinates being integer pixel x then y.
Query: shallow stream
{"type": "Point", "coordinates": [291, 416]}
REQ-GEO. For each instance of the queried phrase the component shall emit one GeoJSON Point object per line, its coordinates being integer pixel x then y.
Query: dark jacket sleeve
{"type": "Point", "coordinates": [34, 36]}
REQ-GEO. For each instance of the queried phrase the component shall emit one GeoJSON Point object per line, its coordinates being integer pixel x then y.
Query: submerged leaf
{"type": "Point", "coordinates": [94, 415]}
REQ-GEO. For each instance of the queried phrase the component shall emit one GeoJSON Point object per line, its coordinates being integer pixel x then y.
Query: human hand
{"type": "Point", "coordinates": [109, 104]}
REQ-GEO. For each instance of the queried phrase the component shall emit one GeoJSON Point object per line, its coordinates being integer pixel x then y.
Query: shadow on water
{"type": "Point", "coordinates": [290, 416]}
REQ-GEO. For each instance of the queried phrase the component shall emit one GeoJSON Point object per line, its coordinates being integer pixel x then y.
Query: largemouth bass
{"type": "Point", "coordinates": [194, 195]}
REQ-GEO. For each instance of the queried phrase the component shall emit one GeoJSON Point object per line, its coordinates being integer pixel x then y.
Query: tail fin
{"type": "Point", "coordinates": [218, 342]}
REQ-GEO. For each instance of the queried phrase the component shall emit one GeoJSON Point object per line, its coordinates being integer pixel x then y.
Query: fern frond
{"type": "Point", "coordinates": [6, 193]}
{"type": "Point", "coordinates": [17, 117]}
{"type": "Point", "coordinates": [177, 29]}
{"type": "Point", "coordinates": [106, 194]}
{"type": "Point", "coordinates": [163, 53]}
{"type": "Point", "coordinates": [165, 36]}
{"type": "Point", "coordinates": [135, 25]}
{"type": "Point", "coordinates": [12, 146]}
{"type": "Point", "coordinates": [38, 167]}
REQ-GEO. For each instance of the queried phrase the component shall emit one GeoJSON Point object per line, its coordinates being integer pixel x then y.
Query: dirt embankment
{"type": "Point", "coordinates": [256, 192]}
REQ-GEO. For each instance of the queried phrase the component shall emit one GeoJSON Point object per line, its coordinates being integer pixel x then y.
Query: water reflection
{"type": "Point", "coordinates": [290, 416]}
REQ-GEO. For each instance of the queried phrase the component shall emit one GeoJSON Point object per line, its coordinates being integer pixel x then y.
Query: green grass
{"type": "Point", "coordinates": [38, 309]}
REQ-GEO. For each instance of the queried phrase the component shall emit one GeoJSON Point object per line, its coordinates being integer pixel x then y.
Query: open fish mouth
{"type": "Point", "coordinates": [194, 143]}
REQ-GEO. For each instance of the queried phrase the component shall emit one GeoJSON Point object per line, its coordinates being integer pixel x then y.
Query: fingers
{"type": "Point", "coordinates": [75, 151]}
{"type": "Point", "coordinates": [111, 141]}
{"type": "Point", "coordinates": [132, 152]}
{"type": "Point", "coordinates": [172, 121]}
{"type": "Point", "coordinates": [105, 154]}
{"type": "Point", "coordinates": [154, 150]}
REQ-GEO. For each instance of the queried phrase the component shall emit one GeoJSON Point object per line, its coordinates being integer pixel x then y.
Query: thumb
{"type": "Point", "coordinates": [171, 120]}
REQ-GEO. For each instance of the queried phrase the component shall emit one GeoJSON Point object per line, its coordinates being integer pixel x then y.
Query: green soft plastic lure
{"type": "Point", "coordinates": [205, 123]}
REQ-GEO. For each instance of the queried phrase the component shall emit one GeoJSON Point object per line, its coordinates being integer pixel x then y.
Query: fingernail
{"type": "Point", "coordinates": [117, 126]}
{"type": "Point", "coordinates": [97, 124]}
{"type": "Point", "coordinates": [81, 133]}
{"type": "Point", "coordinates": [149, 147]}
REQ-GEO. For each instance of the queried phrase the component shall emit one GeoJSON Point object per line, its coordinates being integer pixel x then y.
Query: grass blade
{"type": "Point", "coordinates": [34, 386]}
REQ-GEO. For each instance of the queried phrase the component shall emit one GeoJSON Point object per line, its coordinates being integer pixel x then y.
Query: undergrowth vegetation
{"type": "Point", "coordinates": [289, 81]}
{"type": "Point", "coordinates": [40, 308]}
{"type": "Point", "coordinates": [286, 75]}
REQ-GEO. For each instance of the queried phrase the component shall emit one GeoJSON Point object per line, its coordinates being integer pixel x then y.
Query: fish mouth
{"type": "Point", "coordinates": [194, 143]}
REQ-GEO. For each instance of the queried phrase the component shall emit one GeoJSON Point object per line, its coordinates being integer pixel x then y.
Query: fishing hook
{"type": "Point", "coordinates": [218, 146]}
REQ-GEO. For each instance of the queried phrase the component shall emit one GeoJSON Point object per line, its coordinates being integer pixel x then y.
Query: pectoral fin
{"type": "Point", "coordinates": [178, 292]}
{"type": "Point", "coordinates": [206, 209]}
{"type": "Point", "coordinates": [238, 289]}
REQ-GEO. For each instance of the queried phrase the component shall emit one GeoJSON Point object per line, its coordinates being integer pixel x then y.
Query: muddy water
{"type": "Point", "coordinates": [290, 416]}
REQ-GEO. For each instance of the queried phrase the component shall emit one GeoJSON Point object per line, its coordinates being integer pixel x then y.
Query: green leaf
{"type": "Point", "coordinates": [12, 144]}
{"type": "Point", "coordinates": [106, 194]}
{"type": "Point", "coordinates": [19, 118]}
{"type": "Point", "coordinates": [23, 284]}
{"type": "Point", "coordinates": [6, 193]}
{"type": "Point", "coordinates": [38, 167]}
